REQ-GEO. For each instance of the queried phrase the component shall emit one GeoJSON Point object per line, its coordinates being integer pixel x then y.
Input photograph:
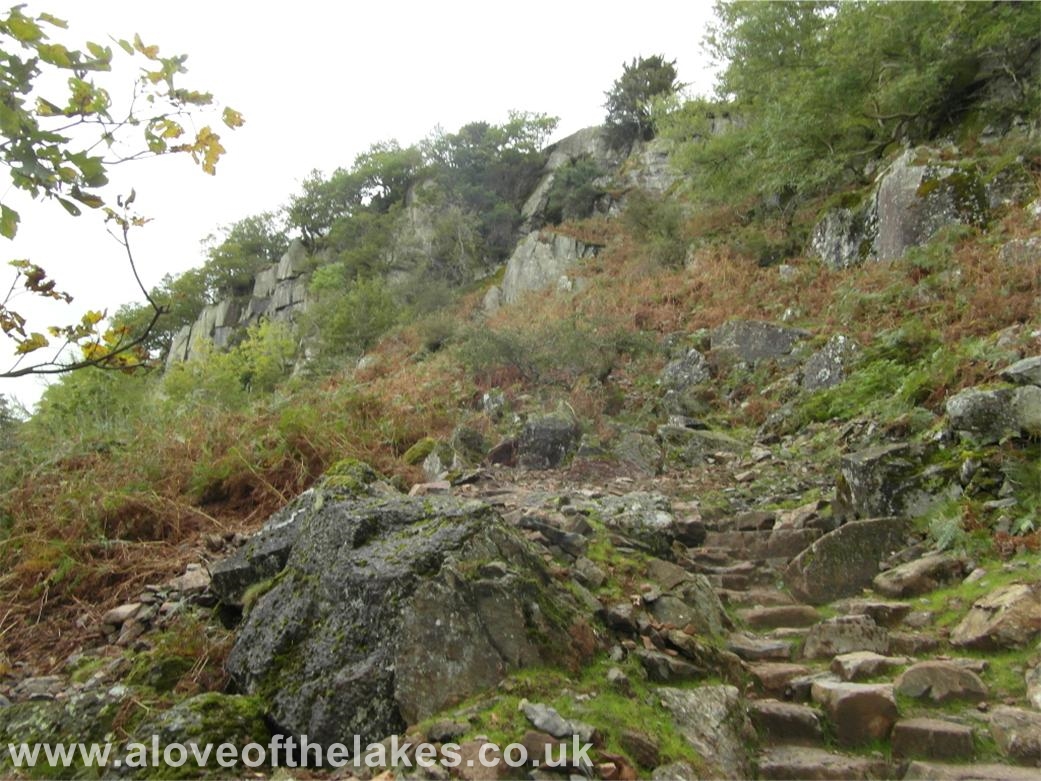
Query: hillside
{"type": "Point", "coordinates": [711, 435]}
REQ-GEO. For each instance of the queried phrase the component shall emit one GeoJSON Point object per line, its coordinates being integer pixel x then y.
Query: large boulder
{"type": "Point", "coordinates": [1017, 733]}
{"type": "Point", "coordinates": [751, 341]}
{"type": "Point", "coordinates": [891, 480]}
{"type": "Point", "coordinates": [341, 643]}
{"type": "Point", "coordinates": [987, 416]}
{"type": "Point", "coordinates": [844, 561]}
{"type": "Point", "coordinates": [914, 197]}
{"type": "Point", "coordinates": [714, 722]}
{"type": "Point", "coordinates": [917, 196]}
{"type": "Point", "coordinates": [1009, 617]}
{"type": "Point", "coordinates": [1024, 372]}
{"type": "Point", "coordinates": [827, 367]}
{"type": "Point", "coordinates": [548, 441]}
{"type": "Point", "coordinates": [682, 373]}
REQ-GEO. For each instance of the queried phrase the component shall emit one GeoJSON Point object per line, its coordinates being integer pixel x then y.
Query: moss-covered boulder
{"type": "Point", "coordinates": [264, 556]}
{"type": "Point", "coordinates": [392, 608]}
{"type": "Point", "coordinates": [85, 717]}
{"type": "Point", "coordinates": [844, 561]}
{"type": "Point", "coordinates": [206, 720]}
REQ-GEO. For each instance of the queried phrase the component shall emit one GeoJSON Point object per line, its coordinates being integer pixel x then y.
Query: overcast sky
{"type": "Point", "coordinates": [318, 82]}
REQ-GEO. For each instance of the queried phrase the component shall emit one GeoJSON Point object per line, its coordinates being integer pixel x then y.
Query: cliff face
{"type": "Point", "coordinates": [279, 293]}
{"type": "Point", "coordinates": [919, 191]}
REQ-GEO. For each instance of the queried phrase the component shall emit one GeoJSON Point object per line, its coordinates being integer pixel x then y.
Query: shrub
{"type": "Point", "coordinates": [574, 192]}
{"type": "Point", "coordinates": [657, 223]}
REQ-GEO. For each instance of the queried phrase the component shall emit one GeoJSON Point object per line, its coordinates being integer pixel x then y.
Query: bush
{"type": "Point", "coordinates": [347, 320]}
{"type": "Point", "coordinates": [557, 352]}
{"type": "Point", "coordinates": [657, 223]}
{"type": "Point", "coordinates": [229, 379]}
{"type": "Point", "coordinates": [574, 192]}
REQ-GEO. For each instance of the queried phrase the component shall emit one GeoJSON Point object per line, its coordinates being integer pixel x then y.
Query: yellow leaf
{"type": "Point", "coordinates": [232, 118]}
{"type": "Point", "coordinates": [151, 52]}
{"type": "Point", "coordinates": [34, 341]}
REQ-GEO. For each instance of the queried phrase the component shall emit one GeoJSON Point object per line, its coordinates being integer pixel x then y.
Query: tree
{"type": "Point", "coordinates": [628, 112]}
{"type": "Point", "coordinates": [823, 89]}
{"type": "Point", "coordinates": [58, 145]}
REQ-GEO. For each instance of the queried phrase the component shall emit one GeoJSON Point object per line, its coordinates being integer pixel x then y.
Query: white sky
{"type": "Point", "coordinates": [318, 82]}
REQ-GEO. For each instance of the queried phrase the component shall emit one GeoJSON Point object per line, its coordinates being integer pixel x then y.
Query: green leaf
{"type": "Point", "coordinates": [125, 45]}
{"type": "Point", "coordinates": [70, 207]}
{"type": "Point", "coordinates": [24, 29]}
{"type": "Point", "coordinates": [54, 21]}
{"type": "Point", "coordinates": [8, 222]}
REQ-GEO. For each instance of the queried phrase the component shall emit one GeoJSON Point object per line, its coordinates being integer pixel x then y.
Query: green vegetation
{"type": "Point", "coordinates": [628, 101]}
{"type": "Point", "coordinates": [117, 477]}
{"type": "Point", "coordinates": [59, 143]}
{"type": "Point", "coordinates": [822, 90]}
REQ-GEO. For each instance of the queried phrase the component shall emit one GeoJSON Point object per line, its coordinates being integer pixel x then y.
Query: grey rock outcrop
{"type": "Point", "coordinates": [541, 259]}
{"type": "Point", "coordinates": [590, 143]}
{"type": "Point", "coordinates": [844, 561]}
{"type": "Point", "coordinates": [827, 367]}
{"type": "Point", "coordinates": [752, 341]}
{"type": "Point", "coordinates": [891, 480]}
{"type": "Point", "coordinates": [279, 293]}
{"type": "Point", "coordinates": [913, 198]}
{"type": "Point", "coordinates": [340, 643]}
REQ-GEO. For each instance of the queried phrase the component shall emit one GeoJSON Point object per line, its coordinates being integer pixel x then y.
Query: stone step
{"type": "Point", "coordinates": [816, 764]}
{"type": "Point", "coordinates": [755, 597]}
{"type": "Point", "coordinates": [757, 649]}
{"type": "Point", "coordinates": [780, 616]}
{"type": "Point", "coordinates": [769, 544]}
{"type": "Point", "coordinates": [773, 678]}
{"type": "Point", "coordinates": [786, 722]}
{"type": "Point", "coordinates": [923, 738]}
{"type": "Point", "coordinates": [939, 771]}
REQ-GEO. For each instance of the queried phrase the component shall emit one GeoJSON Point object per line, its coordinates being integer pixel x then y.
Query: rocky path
{"type": "Point", "coordinates": [780, 645]}
{"type": "Point", "coordinates": [863, 683]}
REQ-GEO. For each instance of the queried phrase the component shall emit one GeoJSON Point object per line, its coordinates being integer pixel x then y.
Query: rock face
{"type": "Point", "coordinates": [341, 643]}
{"type": "Point", "coordinates": [1010, 617]}
{"type": "Point", "coordinates": [914, 197]}
{"type": "Point", "coordinates": [540, 260]}
{"type": "Point", "coordinates": [714, 722]}
{"type": "Point", "coordinates": [844, 561]}
{"type": "Point", "coordinates": [279, 293]}
{"type": "Point", "coordinates": [590, 143]}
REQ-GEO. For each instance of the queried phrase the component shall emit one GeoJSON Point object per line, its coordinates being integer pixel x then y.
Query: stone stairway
{"type": "Point", "coordinates": [829, 684]}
